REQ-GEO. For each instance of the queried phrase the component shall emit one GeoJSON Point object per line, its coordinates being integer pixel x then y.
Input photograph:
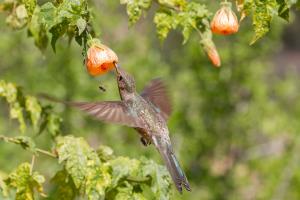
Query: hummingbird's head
{"type": "Point", "coordinates": [125, 81]}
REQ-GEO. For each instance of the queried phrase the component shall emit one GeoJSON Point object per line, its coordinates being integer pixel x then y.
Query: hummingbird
{"type": "Point", "coordinates": [147, 113]}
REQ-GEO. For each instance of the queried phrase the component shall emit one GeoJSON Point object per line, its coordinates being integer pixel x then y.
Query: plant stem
{"type": "Point", "coordinates": [14, 141]}
{"type": "Point", "coordinates": [46, 152]}
{"type": "Point", "coordinates": [32, 164]}
{"type": "Point", "coordinates": [136, 179]}
{"type": "Point", "coordinates": [168, 6]}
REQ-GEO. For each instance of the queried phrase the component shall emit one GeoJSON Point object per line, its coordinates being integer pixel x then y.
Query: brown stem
{"type": "Point", "coordinates": [13, 140]}
{"type": "Point", "coordinates": [32, 164]}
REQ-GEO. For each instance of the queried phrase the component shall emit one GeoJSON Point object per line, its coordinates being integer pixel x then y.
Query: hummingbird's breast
{"type": "Point", "coordinates": [153, 122]}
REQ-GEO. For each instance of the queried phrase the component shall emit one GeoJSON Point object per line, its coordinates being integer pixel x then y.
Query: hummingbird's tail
{"type": "Point", "coordinates": [177, 174]}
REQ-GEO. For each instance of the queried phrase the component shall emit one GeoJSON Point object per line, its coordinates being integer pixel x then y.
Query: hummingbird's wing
{"type": "Point", "coordinates": [109, 111]}
{"type": "Point", "coordinates": [156, 92]}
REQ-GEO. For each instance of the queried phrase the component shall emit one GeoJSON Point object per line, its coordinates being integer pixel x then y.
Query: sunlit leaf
{"type": "Point", "coordinates": [105, 153]}
{"type": "Point", "coordinates": [123, 167]}
{"type": "Point", "coordinates": [3, 187]}
{"type": "Point", "coordinates": [81, 25]}
{"type": "Point", "coordinates": [34, 109]}
{"type": "Point", "coordinates": [30, 6]}
{"type": "Point", "coordinates": [161, 183]}
{"type": "Point", "coordinates": [135, 8]}
{"type": "Point", "coordinates": [177, 4]}
{"type": "Point", "coordinates": [25, 183]}
{"type": "Point", "coordinates": [164, 23]}
{"type": "Point", "coordinates": [10, 92]}
{"type": "Point", "coordinates": [84, 166]}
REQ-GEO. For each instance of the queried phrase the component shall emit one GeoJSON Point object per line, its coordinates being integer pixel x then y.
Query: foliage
{"type": "Point", "coordinates": [49, 20]}
{"type": "Point", "coordinates": [27, 108]}
{"type": "Point", "coordinates": [25, 182]}
{"type": "Point", "coordinates": [73, 18]}
{"type": "Point", "coordinates": [263, 12]}
{"type": "Point", "coordinates": [236, 134]}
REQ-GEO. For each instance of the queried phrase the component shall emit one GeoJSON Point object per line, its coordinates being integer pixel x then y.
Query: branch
{"type": "Point", "coordinates": [177, 9]}
{"type": "Point", "coordinates": [15, 141]}
{"type": "Point", "coordinates": [137, 179]}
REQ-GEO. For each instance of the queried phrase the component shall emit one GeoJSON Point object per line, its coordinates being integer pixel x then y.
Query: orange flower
{"type": "Point", "coordinates": [100, 59]}
{"type": "Point", "coordinates": [225, 21]}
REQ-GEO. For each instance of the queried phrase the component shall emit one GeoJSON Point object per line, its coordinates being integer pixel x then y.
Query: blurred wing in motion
{"type": "Point", "coordinates": [156, 93]}
{"type": "Point", "coordinates": [109, 111]}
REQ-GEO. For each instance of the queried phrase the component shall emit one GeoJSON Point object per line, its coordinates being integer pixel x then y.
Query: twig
{"type": "Point", "coordinates": [46, 153]}
{"type": "Point", "coordinates": [137, 180]}
{"type": "Point", "coordinates": [32, 164]}
{"type": "Point", "coordinates": [14, 141]}
{"type": "Point", "coordinates": [178, 9]}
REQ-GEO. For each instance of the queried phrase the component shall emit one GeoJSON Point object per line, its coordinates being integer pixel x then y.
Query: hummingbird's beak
{"type": "Point", "coordinates": [117, 68]}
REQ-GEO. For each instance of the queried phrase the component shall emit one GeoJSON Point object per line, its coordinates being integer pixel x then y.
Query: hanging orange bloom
{"type": "Point", "coordinates": [211, 51]}
{"type": "Point", "coordinates": [100, 59]}
{"type": "Point", "coordinates": [225, 21]}
{"type": "Point", "coordinates": [214, 57]}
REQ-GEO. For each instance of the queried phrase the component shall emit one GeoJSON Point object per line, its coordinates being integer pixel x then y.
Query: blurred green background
{"type": "Point", "coordinates": [235, 129]}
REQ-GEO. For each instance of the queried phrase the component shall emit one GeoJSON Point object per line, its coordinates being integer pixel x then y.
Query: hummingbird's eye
{"type": "Point", "coordinates": [120, 78]}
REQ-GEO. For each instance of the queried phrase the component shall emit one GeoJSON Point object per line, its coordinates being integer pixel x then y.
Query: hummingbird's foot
{"type": "Point", "coordinates": [145, 142]}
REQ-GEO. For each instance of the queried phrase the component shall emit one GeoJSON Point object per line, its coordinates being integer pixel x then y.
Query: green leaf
{"type": "Point", "coordinates": [10, 92]}
{"type": "Point", "coordinates": [135, 8]}
{"type": "Point", "coordinates": [164, 23]}
{"type": "Point", "coordinates": [64, 187]}
{"type": "Point", "coordinates": [84, 166]}
{"type": "Point", "coordinates": [25, 142]}
{"type": "Point", "coordinates": [37, 28]}
{"type": "Point", "coordinates": [41, 117]}
{"type": "Point", "coordinates": [128, 193]}
{"type": "Point", "coordinates": [74, 152]}
{"type": "Point", "coordinates": [263, 11]}
{"type": "Point", "coordinates": [30, 6]}
{"type": "Point", "coordinates": [138, 179]}
{"type": "Point", "coordinates": [3, 187]}
{"type": "Point", "coordinates": [97, 180]}
{"type": "Point", "coordinates": [81, 25]}
{"type": "Point", "coordinates": [25, 183]}
{"type": "Point", "coordinates": [34, 109]}
{"type": "Point", "coordinates": [57, 20]}
{"type": "Point", "coordinates": [189, 18]}
{"type": "Point", "coordinates": [54, 124]}
{"type": "Point", "coordinates": [161, 184]}
{"type": "Point", "coordinates": [105, 153]}
{"type": "Point", "coordinates": [58, 31]}
{"type": "Point", "coordinates": [176, 4]}
{"type": "Point", "coordinates": [283, 10]}
{"type": "Point", "coordinates": [262, 16]}
{"type": "Point", "coordinates": [123, 167]}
